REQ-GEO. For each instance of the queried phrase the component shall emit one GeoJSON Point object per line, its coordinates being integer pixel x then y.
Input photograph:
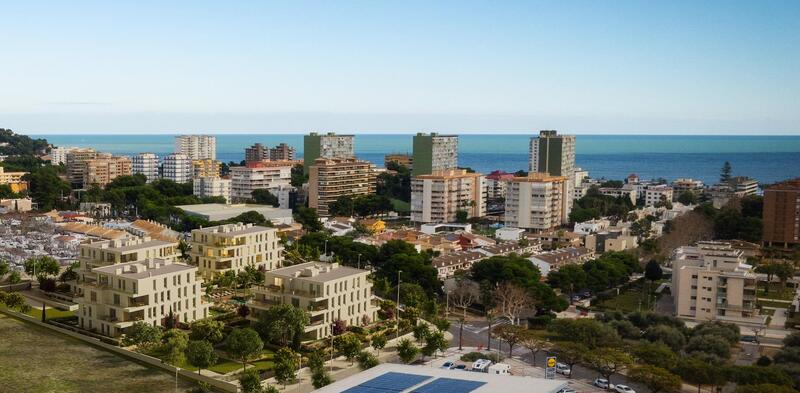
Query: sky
{"type": "Point", "coordinates": [606, 67]}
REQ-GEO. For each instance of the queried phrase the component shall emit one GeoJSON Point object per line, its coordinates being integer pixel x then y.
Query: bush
{"type": "Point", "coordinates": [473, 356]}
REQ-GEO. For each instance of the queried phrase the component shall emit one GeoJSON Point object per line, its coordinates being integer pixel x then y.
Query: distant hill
{"type": "Point", "coordinates": [12, 144]}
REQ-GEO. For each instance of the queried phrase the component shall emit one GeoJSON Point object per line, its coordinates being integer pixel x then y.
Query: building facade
{"type": "Point", "coordinates": [145, 164]}
{"type": "Point", "coordinates": [679, 186]}
{"type": "Point", "coordinates": [404, 159]}
{"type": "Point", "coordinates": [657, 194]}
{"type": "Point", "coordinates": [330, 179]}
{"type": "Point", "coordinates": [537, 202]}
{"type": "Point", "coordinates": [281, 152]}
{"type": "Point", "coordinates": [434, 152]}
{"type": "Point", "coordinates": [178, 168]}
{"type": "Point", "coordinates": [212, 187]}
{"type": "Point", "coordinates": [197, 147]}
{"type": "Point", "coordinates": [205, 168]}
{"type": "Point", "coordinates": [256, 153]}
{"type": "Point", "coordinates": [327, 146]}
{"type": "Point", "coordinates": [232, 247]}
{"type": "Point", "coordinates": [148, 291]}
{"type": "Point", "coordinates": [76, 160]}
{"type": "Point", "coordinates": [554, 154]}
{"type": "Point", "coordinates": [13, 180]}
{"type": "Point", "coordinates": [260, 175]}
{"type": "Point", "coordinates": [327, 291]}
{"type": "Point", "coordinates": [496, 183]}
{"type": "Point", "coordinates": [781, 213]}
{"type": "Point", "coordinates": [439, 196]}
{"type": "Point", "coordinates": [101, 171]}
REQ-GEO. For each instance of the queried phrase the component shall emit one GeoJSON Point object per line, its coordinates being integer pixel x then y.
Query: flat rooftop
{"type": "Point", "coordinates": [221, 211]}
{"type": "Point", "coordinates": [143, 269]}
{"type": "Point", "coordinates": [320, 271]}
{"type": "Point", "coordinates": [400, 378]}
{"type": "Point", "coordinates": [235, 229]}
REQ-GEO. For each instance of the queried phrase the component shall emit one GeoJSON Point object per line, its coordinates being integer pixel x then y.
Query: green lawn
{"type": "Point", "coordinates": [627, 301]}
{"type": "Point", "coordinates": [224, 365]}
{"type": "Point", "coordinates": [774, 304]}
{"type": "Point", "coordinates": [400, 206]}
{"type": "Point", "coordinates": [51, 313]}
{"type": "Point", "coordinates": [775, 292]}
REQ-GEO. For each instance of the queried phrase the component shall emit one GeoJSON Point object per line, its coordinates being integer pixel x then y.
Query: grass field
{"type": "Point", "coordinates": [629, 301]}
{"type": "Point", "coordinates": [51, 313]}
{"type": "Point", "coordinates": [34, 359]}
{"type": "Point", "coordinates": [401, 206]}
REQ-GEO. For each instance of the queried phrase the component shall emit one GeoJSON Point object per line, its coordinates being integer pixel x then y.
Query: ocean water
{"type": "Point", "coordinates": [765, 158]}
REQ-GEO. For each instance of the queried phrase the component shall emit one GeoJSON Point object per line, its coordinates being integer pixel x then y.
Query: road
{"type": "Point", "coordinates": [475, 335]}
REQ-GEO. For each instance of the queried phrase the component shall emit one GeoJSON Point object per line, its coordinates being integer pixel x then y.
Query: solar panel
{"type": "Point", "coordinates": [449, 385]}
{"type": "Point", "coordinates": [388, 383]}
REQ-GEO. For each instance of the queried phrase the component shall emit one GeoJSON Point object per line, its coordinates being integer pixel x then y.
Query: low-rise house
{"type": "Point", "coordinates": [617, 239]}
{"type": "Point", "coordinates": [556, 239]}
{"type": "Point", "coordinates": [508, 248]}
{"type": "Point", "coordinates": [591, 226]}
{"type": "Point", "coordinates": [469, 241]}
{"type": "Point", "coordinates": [509, 234]}
{"type": "Point", "coordinates": [339, 226]}
{"type": "Point", "coordinates": [563, 256]}
{"type": "Point", "coordinates": [16, 205]}
{"type": "Point", "coordinates": [447, 265]}
{"type": "Point", "coordinates": [373, 225]}
{"type": "Point", "coordinates": [627, 191]}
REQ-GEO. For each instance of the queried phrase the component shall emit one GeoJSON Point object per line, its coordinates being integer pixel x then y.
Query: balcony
{"type": "Point", "coordinates": [138, 302]}
{"type": "Point", "coordinates": [224, 265]}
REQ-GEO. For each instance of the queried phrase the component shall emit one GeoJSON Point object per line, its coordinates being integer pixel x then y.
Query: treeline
{"type": "Point", "coordinates": [20, 145]}
{"type": "Point", "coordinates": [740, 219]}
{"type": "Point", "coordinates": [595, 205]}
{"type": "Point", "coordinates": [605, 272]}
{"type": "Point", "coordinates": [395, 185]}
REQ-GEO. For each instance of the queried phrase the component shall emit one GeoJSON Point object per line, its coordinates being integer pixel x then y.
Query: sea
{"type": "Point", "coordinates": [767, 159]}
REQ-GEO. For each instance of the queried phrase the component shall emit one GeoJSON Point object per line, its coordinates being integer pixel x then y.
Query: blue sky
{"type": "Point", "coordinates": [710, 67]}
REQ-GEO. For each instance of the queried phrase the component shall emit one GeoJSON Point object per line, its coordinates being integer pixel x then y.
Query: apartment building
{"type": "Point", "coordinates": [657, 193]}
{"type": "Point", "coordinates": [58, 155]}
{"type": "Point", "coordinates": [328, 146]}
{"type": "Point", "coordinates": [439, 196]}
{"type": "Point", "coordinates": [627, 192]}
{"type": "Point", "coordinates": [327, 291]}
{"type": "Point", "coordinates": [205, 168]}
{"type": "Point", "coordinates": [256, 153]}
{"type": "Point", "coordinates": [232, 247]}
{"type": "Point", "coordinates": [537, 202]}
{"type": "Point", "coordinates": [744, 185]}
{"type": "Point", "coordinates": [76, 159]}
{"type": "Point", "coordinates": [447, 265]}
{"type": "Point", "coordinates": [129, 249]}
{"type": "Point", "coordinates": [554, 154]}
{"type": "Point", "coordinates": [711, 281]}
{"type": "Point", "coordinates": [434, 152]}
{"type": "Point", "coordinates": [212, 187]}
{"type": "Point", "coordinates": [404, 159]}
{"type": "Point", "coordinates": [148, 290]}
{"type": "Point", "coordinates": [679, 186]}
{"type": "Point", "coordinates": [178, 168]}
{"type": "Point", "coordinates": [781, 213]}
{"type": "Point", "coordinates": [496, 184]}
{"type": "Point", "coordinates": [330, 179]}
{"type": "Point", "coordinates": [259, 175]}
{"type": "Point", "coordinates": [13, 180]}
{"type": "Point", "coordinates": [281, 152]}
{"type": "Point", "coordinates": [145, 164]}
{"type": "Point", "coordinates": [197, 147]}
{"type": "Point", "coordinates": [101, 171]}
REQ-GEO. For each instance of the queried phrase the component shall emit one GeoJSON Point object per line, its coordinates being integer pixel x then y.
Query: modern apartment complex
{"type": "Point", "coordinates": [131, 249]}
{"type": "Point", "coordinates": [434, 152]}
{"type": "Point", "coordinates": [281, 152]}
{"type": "Point", "coordinates": [404, 159]}
{"type": "Point", "coordinates": [258, 175]}
{"type": "Point", "coordinates": [148, 290]}
{"type": "Point", "coordinates": [439, 196]}
{"type": "Point", "coordinates": [258, 152]}
{"type": "Point", "coordinates": [744, 185]}
{"type": "Point", "coordinates": [327, 146]}
{"type": "Point", "coordinates": [329, 179]}
{"type": "Point", "coordinates": [178, 168]}
{"type": "Point", "coordinates": [327, 291]}
{"type": "Point", "coordinates": [782, 214]}
{"type": "Point", "coordinates": [711, 281]}
{"type": "Point", "coordinates": [232, 247]}
{"type": "Point", "coordinates": [212, 187]}
{"type": "Point", "coordinates": [101, 171]}
{"type": "Point", "coordinates": [537, 202]}
{"type": "Point", "coordinates": [58, 155]}
{"type": "Point", "coordinates": [205, 168]}
{"type": "Point", "coordinates": [657, 193]}
{"type": "Point", "coordinates": [147, 165]}
{"type": "Point", "coordinates": [679, 186]}
{"type": "Point", "coordinates": [76, 158]}
{"type": "Point", "coordinates": [13, 180]}
{"type": "Point", "coordinates": [197, 147]}
{"type": "Point", "coordinates": [496, 184]}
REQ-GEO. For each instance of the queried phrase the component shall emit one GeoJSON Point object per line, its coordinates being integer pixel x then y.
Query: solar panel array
{"type": "Point", "coordinates": [449, 385]}
{"type": "Point", "coordinates": [388, 383]}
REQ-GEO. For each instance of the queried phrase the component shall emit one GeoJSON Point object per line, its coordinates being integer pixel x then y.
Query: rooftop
{"type": "Point", "coordinates": [537, 177]}
{"type": "Point", "coordinates": [143, 269]}
{"type": "Point", "coordinates": [317, 271]}
{"type": "Point", "coordinates": [234, 229]}
{"type": "Point", "coordinates": [130, 244]}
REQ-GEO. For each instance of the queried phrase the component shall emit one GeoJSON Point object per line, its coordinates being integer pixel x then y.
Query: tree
{"type": "Point", "coordinates": [42, 266]}
{"type": "Point", "coordinates": [434, 342]}
{"type": "Point", "coordinates": [532, 342]}
{"type": "Point", "coordinates": [320, 378]}
{"type": "Point", "coordinates": [200, 353]}
{"type": "Point", "coordinates": [510, 300]}
{"type": "Point", "coordinates": [244, 344]}
{"type": "Point", "coordinates": [687, 198]}
{"type": "Point", "coordinates": [309, 219]}
{"type": "Point", "coordinates": [378, 342]}
{"type": "Point", "coordinates": [338, 327]}
{"type": "Point", "coordinates": [463, 296]}
{"type": "Point", "coordinates": [754, 375]}
{"type": "Point", "coordinates": [607, 361]}
{"type": "Point", "coordinates": [407, 351]}
{"type": "Point", "coordinates": [46, 188]}
{"type": "Point", "coordinates": [652, 271]}
{"type": "Point", "coordinates": [262, 196]}
{"type": "Point", "coordinates": [655, 378]}
{"type": "Point", "coordinates": [668, 335]}
{"type": "Point", "coordinates": [142, 334]}
{"type": "Point", "coordinates": [568, 278]}
{"type": "Point", "coordinates": [207, 329]}
{"type": "Point", "coordinates": [725, 173]}
{"type": "Point", "coordinates": [655, 354]}
{"type": "Point", "coordinates": [3, 269]}
{"type": "Point", "coordinates": [462, 216]}
{"type": "Point", "coordinates": [350, 346]}
{"type": "Point", "coordinates": [571, 353]}
{"type": "Point", "coordinates": [728, 331]}
{"type": "Point", "coordinates": [250, 381]}
{"type": "Point", "coordinates": [286, 365]}
{"type": "Point", "coordinates": [14, 301]}
{"type": "Point", "coordinates": [367, 360]}
{"type": "Point", "coordinates": [283, 324]}
{"type": "Point", "coordinates": [592, 333]}
{"type": "Point", "coordinates": [765, 388]}
{"type": "Point", "coordinates": [511, 334]}
{"type": "Point", "coordinates": [699, 372]}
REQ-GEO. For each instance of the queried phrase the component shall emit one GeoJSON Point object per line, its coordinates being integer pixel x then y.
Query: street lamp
{"type": "Point", "coordinates": [397, 307]}
{"type": "Point", "coordinates": [359, 261]}
{"type": "Point", "coordinates": [326, 247]}
{"type": "Point", "coordinates": [299, 369]}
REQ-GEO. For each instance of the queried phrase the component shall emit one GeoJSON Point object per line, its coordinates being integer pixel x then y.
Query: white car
{"type": "Point", "coordinates": [623, 389]}
{"type": "Point", "coordinates": [601, 383]}
{"type": "Point", "coordinates": [448, 365]}
{"type": "Point", "coordinates": [563, 369]}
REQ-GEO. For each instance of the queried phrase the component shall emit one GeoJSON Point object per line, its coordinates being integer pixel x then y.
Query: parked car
{"type": "Point", "coordinates": [623, 389]}
{"type": "Point", "coordinates": [567, 390]}
{"type": "Point", "coordinates": [481, 365]}
{"type": "Point", "coordinates": [601, 383]}
{"type": "Point", "coordinates": [448, 365]}
{"type": "Point", "coordinates": [563, 369]}
{"type": "Point", "coordinates": [749, 339]}
{"type": "Point", "coordinates": [462, 367]}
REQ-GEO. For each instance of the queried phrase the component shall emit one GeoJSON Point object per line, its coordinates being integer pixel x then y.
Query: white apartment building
{"type": "Point", "coordinates": [711, 281]}
{"type": "Point", "coordinates": [657, 193]}
{"type": "Point", "coordinates": [58, 155]}
{"type": "Point", "coordinates": [212, 187]}
{"type": "Point", "coordinates": [178, 168]}
{"type": "Point", "coordinates": [232, 247]}
{"type": "Point", "coordinates": [197, 147]}
{"type": "Point", "coordinates": [147, 291]}
{"type": "Point", "coordinates": [132, 249]}
{"type": "Point", "coordinates": [269, 175]}
{"type": "Point", "coordinates": [439, 196]}
{"type": "Point", "coordinates": [537, 202]}
{"type": "Point", "coordinates": [327, 291]}
{"type": "Point", "coordinates": [591, 226]}
{"type": "Point", "coordinates": [627, 191]}
{"type": "Point", "coordinates": [146, 164]}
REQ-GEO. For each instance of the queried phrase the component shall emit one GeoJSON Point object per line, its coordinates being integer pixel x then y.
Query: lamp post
{"type": "Point", "coordinates": [359, 261]}
{"type": "Point", "coordinates": [326, 247]}
{"type": "Point", "coordinates": [397, 307]}
{"type": "Point", "coordinates": [299, 369]}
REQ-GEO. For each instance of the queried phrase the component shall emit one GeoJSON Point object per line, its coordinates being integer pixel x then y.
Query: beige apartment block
{"type": "Point", "coordinates": [711, 281]}
{"type": "Point", "coordinates": [439, 196]}
{"type": "Point", "coordinates": [327, 291]}
{"type": "Point", "coordinates": [76, 162]}
{"type": "Point", "coordinates": [232, 247]}
{"type": "Point", "coordinates": [147, 291]}
{"type": "Point", "coordinates": [332, 178]}
{"type": "Point", "coordinates": [110, 252]}
{"type": "Point", "coordinates": [537, 202]}
{"type": "Point", "coordinates": [101, 171]}
{"type": "Point", "coordinates": [258, 175]}
{"type": "Point", "coordinates": [656, 194]}
{"type": "Point", "coordinates": [197, 147]}
{"type": "Point", "coordinates": [205, 168]}
{"type": "Point", "coordinates": [13, 180]}
{"type": "Point", "coordinates": [212, 187]}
